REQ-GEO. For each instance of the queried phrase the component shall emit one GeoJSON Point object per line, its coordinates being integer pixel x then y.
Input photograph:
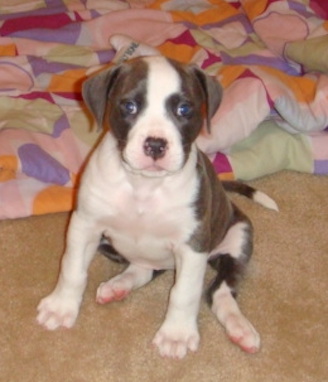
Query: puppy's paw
{"type": "Point", "coordinates": [113, 290]}
{"type": "Point", "coordinates": [242, 333]}
{"type": "Point", "coordinates": [175, 341]}
{"type": "Point", "coordinates": [56, 311]}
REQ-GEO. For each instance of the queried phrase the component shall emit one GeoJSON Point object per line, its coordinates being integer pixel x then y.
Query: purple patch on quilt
{"type": "Point", "coordinates": [65, 35]}
{"type": "Point", "coordinates": [61, 124]}
{"type": "Point", "coordinates": [300, 8]}
{"type": "Point", "coordinates": [40, 65]}
{"type": "Point", "coordinates": [240, 18]}
{"type": "Point", "coordinates": [54, 3]}
{"type": "Point", "coordinates": [188, 24]}
{"type": "Point", "coordinates": [221, 164]}
{"type": "Point", "coordinates": [255, 59]}
{"type": "Point", "coordinates": [38, 164]}
{"type": "Point", "coordinates": [94, 14]}
{"type": "Point", "coordinates": [106, 56]}
{"type": "Point", "coordinates": [320, 167]}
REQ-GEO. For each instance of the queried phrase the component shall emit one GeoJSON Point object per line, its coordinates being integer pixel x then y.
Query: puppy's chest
{"type": "Point", "coordinates": [146, 225]}
{"type": "Point", "coordinates": [150, 212]}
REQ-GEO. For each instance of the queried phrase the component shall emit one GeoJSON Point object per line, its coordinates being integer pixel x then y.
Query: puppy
{"type": "Point", "coordinates": [150, 198]}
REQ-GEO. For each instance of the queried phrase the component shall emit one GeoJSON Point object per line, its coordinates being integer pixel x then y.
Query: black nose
{"type": "Point", "coordinates": [155, 147]}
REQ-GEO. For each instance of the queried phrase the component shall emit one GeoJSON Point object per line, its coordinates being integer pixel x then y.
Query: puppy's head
{"type": "Point", "coordinates": [155, 108]}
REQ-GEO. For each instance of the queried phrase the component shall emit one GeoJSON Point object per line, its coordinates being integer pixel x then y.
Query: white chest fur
{"type": "Point", "coordinates": [146, 218]}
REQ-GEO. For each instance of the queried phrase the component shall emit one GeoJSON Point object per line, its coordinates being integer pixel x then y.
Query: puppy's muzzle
{"type": "Point", "coordinates": [155, 147]}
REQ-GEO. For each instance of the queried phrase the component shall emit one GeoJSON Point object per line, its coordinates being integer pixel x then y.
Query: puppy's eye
{"type": "Point", "coordinates": [184, 109]}
{"type": "Point", "coordinates": [130, 107]}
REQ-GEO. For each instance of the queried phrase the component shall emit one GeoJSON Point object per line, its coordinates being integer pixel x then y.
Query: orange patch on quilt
{"type": "Point", "coordinates": [156, 4]}
{"type": "Point", "coordinates": [254, 8]}
{"type": "Point", "coordinates": [8, 167]}
{"type": "Point", "coordinates": [222, 11]}
{"type": "Point", "coordinates": [54, 199]}
{"type": "Point", "coordinates": [8, 50]}
{"type": "Point", "coordinates": [69, 81]}
{"type": "Point", "coordinates": [226, 176]}
{"type": "Point", "coordinates": [303, 88]}
{"type": "Point", "coordinates": [180, 52]}
{"type": "Point", "coordinates": [230, 73]}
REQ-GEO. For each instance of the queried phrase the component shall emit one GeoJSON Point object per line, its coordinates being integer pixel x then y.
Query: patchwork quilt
{"type": "Point", "coordinates": [271, 57]}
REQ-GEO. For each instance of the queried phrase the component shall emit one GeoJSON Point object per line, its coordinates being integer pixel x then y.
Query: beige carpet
{"type": "Point", "coordinates": [285, 296]}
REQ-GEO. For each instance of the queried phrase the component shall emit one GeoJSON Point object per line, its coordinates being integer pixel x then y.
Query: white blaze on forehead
{"type": "Point", "coordinates": [162, 81]}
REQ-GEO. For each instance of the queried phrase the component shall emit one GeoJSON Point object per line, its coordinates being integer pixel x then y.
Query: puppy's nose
{"type": "Point", "coordinates": [155, 147]}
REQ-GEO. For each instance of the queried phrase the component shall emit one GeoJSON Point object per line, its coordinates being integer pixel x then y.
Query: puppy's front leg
{"type": "Point", "coordinates": [61, 307]}
{"type": "Point", "coordinates": [179, 332]}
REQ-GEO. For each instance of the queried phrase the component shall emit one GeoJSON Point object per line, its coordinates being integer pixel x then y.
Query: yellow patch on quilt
{"type": "Point", "coordinates": [70, 54]}
{"type": "Point", "coordinates": [8, 167]}
{"type": "Point", "coordinates": [53, 199]}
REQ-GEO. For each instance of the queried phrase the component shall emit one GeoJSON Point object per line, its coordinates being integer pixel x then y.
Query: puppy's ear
{"type": "Point", "coordinates": [96, 90]}
{"type": "Point", "coordinates": [213, 94]}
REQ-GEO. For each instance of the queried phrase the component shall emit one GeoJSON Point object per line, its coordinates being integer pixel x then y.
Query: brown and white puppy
{"type": "Point", "coordinates": [150, 198]}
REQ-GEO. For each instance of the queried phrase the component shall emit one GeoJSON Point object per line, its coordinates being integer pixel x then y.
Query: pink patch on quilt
{"type": "Point", "coordinates": [15, 77]}
{"type": "Point", "coordinates": [14, 198]}
{"type": "Point", "coordinates": [320, 147]}
{"type": "Point", "coordinates": [276, 29]}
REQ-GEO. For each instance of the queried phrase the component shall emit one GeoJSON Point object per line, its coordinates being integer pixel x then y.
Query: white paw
{"type": "Point", "coordinates": [57, 311]}
{"type": "Point", "coordinates": [242, 333]}
{"type": "Point", "coordinates": [113, 290]}
{"type": "Point", "coordinates": [175, 341]}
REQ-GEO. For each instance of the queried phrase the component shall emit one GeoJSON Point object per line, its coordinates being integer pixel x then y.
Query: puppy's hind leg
{"type": "Point", "coordinates": [230, 261]}
{"type": "Point", "coordinates": [118, 287]}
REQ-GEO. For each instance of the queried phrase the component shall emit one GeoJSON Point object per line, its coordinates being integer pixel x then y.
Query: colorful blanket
{"type": "Point", "coordinates": [271, 57]}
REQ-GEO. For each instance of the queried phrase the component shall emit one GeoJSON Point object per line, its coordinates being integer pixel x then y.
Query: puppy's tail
{"type": "Point", "coordinates": [251, 193]}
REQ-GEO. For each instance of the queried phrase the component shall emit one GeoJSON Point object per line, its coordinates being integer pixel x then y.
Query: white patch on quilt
{"type": "Point", "coordinates": [242, 109]}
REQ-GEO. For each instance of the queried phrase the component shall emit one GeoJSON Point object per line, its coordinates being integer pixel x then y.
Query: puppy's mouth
{"type": "Point", "coordinates": [144, 165]}
{"type": "Point", "coordinates": [151, 169]}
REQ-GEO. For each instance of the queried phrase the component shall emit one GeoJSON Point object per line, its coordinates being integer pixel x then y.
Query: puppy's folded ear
{"type": "Point", "coordinates": [96, 90]}
{"type": "Point", "coordinates": [213, 94]}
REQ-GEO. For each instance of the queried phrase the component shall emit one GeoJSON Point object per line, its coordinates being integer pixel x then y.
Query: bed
{"type": "Point", "coordinates": [270, 56]}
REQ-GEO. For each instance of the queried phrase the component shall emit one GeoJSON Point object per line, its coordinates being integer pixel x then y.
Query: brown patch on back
{"type": "Point", "coordinates": [213, 209]}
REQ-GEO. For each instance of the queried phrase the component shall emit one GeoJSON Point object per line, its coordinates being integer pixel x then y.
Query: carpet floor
{"type": "Point", "coordinates": [284, 295]}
